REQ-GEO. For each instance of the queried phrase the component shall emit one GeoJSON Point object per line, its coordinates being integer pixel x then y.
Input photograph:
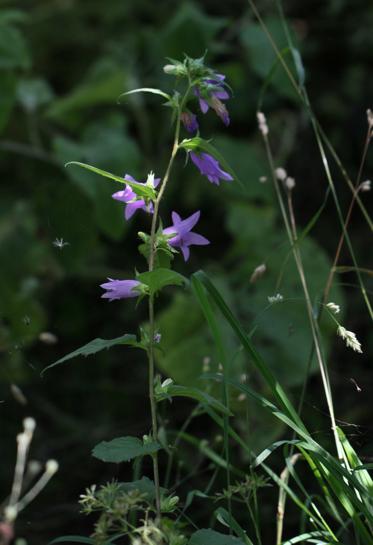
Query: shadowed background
{"type": "Point", "coordinates": [63, 65]}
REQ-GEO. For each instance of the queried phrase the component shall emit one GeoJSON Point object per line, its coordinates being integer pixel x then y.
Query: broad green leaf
{"type": "Point", "coordinates": [13, 49]}
{"type": "Point", "coordinates": [160, 278]}
{"type": "Point", "coordinates": [144, 486]}
{"type": "Point", "coordinates": [123, 449]}
{"type": "Point", "coordinates": [211, 537]}
{"type": "Point", "coordinates": [140, 189]}
{"type": "Point", "coordinates": [96, 346]}
{"type": "Point", "coordinates": [146, 90]}
{"type": "Point", "coordinates": [102, 85]}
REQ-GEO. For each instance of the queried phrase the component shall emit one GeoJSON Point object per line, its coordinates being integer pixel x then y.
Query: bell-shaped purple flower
{"type": "Point", "coordinates": [120, 289]}
{"type": "Point", "coordinates": [189, 121]}
{"type": "Point", "coordinates": [132, 201]}
{"type": "Point", "coordinates": [211, 92]}
{"type": "Point", "coordinates": [183, 236]}
{"type": "Point", "coordinates": [209, 166]}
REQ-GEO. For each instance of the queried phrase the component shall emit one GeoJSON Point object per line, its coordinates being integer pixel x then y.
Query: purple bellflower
{"type": "Point", "coordinates": [120, 289]}
{"type": "Point", "coordinates": [211, 92]}
{"type": "Point", "coordinates": [209, 166]}
{"type": "Point", "coordinates": [132, 201]}
{"type": "Point", "coordinates": [189, 121]}
{"type": "Point", "coordinates": [183, 237]}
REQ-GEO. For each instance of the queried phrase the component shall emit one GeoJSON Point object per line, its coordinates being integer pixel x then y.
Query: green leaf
{"type": "Point", "coordinates": [123, 449]}
{"type": "Point", "coordinates": [96, 346]}
{"type": "Point", "coordinates": [140, 189]}
{"type": "Point", "coordinates": [13, 48]}
{"type": "Point", "coordinates": [144, 486]}
{"type": "Point", "coordinates": [225, 518]}
{"type": "Point", "coordinates": [146, 90]}
{"type": "Point", "coordinates": [159, 278]}
{"type": "Point", "coordinates": [7, 96]}
{"type": "Point", "coordinates": [211, 537]}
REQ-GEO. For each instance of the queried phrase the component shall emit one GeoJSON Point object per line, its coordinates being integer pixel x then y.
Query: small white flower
{"type": "Point", "coordinates": [278, 298]}
{"type": "Point", "coordinates": [167, 383]}
{"type": "Point", "coordinates": [280, 173]}
{"type": "Point", "coordinates": [150, 179]}
{"type": "Point", "coordinates": [350, 339]}
{"type": "Point", "coordinates": [333, 307]}
{"type": "Point", "coordinates": [366, 186]}
{"type": "Point", "coordinates": [262, 123]}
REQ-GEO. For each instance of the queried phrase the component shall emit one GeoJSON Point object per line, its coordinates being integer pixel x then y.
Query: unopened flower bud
{"type": "Point", "coordinates": [51, 467]}
{"type": "Point", "coordinates": [280, 174]}
{"type": "Point", "coordinates": [289, 183]}
{"type": "Point", "coordinates": [258, 273]}
{"type": "Point", "coordinates": [29, 424]}
{"type": "Point", "coordinates": [10, 513]}
{"type": "Point", "coordinates": [262, 123]}
{"type": "Point", "coordinates": [370, 118]}
{"type": "Point", "coordinates": [366, 186]}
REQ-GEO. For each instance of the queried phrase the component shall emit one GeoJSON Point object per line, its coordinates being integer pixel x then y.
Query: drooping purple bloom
{"type": "Point", "coordinates": [133, 202]}
{"type": "Point", "coordinates": [211, 92]}
{"type": "Point", "coordinates": [183, 236]}
{"type": "Point", "coordinates": [189, 121]}
{"type": "Point", "coordinates": [120, 289]}
{"type": "Point", "coordinates": [209, 166]}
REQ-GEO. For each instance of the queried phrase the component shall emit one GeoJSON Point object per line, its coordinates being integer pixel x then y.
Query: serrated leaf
{"type": "Point", "coordinates": [211, 537]}
{"type": "Point", "coordinates": [96, 346]}
{"type": "Point", "coordinates": [159, 278]}
{"type": "Point", "coordinates": [123, 449]}
{"type": "Point", "coordinates": [140, 189]}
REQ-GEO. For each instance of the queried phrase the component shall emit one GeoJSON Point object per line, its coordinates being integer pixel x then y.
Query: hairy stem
{"type": "Point", "coordinates": [152, 254]}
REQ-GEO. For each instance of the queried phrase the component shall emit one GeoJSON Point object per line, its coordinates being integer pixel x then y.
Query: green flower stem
{"type": "Point", "coordinates": [153, 251]}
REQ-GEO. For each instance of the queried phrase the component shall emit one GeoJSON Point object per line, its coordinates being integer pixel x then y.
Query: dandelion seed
{"type": "Point", "coordinates": [366, 186]}
{"type": "Point", "coordinates": [333, 307]}
{"type": "Point", "coordinates": [262, 123]}
{"type": "Point", "coordinates": [60, 243]}
{"type": "Point", "coordinates": [278, 298]}
{"type": "Point", "coordinates": [281, 174]}
{"type": "Point", "coordinates": [350, 338]}
{"type": "Point", "coordinates": [358, 389]}
{"type": "Point", "coordinates": [258, 273]}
